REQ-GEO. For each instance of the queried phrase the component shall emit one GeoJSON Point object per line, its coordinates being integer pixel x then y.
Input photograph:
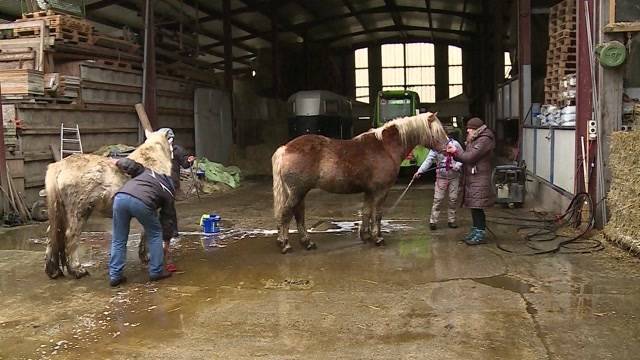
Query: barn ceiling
{"type": "Point", "coordinates": [198, 24]}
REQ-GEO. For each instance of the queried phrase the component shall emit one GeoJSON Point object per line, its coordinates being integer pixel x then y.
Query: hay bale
{"type": "Point", "coordinates": [623, 198]}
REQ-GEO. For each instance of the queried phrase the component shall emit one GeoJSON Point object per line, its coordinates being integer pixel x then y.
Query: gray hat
{"type": "Point", "coordinates": [168, 132]}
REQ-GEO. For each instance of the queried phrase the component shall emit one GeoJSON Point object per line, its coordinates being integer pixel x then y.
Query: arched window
{"type": "Point", "coordinates": [362, 74]}
{"type": "Point", "coordinates": [455, 71]}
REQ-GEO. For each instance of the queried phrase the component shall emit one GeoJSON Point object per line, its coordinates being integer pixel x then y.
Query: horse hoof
{"type": "Point", "coordinates": [54, 274]}
{"type": "Point", "coordinates": [311, 246]}
{"type": "Point", "coordinates": [52, 270]}
{"type": "Point", "coordinates": [285, 249]}
{"type": "Point", "coordinates": [78, 273]}
{"type": "Point", "coordinates": [380, 242]}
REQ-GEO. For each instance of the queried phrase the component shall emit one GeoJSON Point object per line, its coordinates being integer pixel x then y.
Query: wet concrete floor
{"type": "Point", "coordinates": [425, 295]}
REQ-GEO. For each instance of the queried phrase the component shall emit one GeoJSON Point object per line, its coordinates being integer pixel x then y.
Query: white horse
{"type": "Point", "coordinates": [80, 184]}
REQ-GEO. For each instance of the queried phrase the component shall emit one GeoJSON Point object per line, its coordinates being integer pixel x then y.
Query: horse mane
{"type": "Point", "coordinates": [154, 153]}
{"type": "Point", "coordinates": [422, 129]}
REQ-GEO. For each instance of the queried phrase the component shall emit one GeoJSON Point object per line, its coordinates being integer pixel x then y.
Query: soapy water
{"type": "Point", "coordinates": [227, 236]}
{"type": "Point", "coordinates": [94, 244]}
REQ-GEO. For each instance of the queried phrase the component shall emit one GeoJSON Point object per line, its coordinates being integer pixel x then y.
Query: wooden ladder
{"type": "Point", "coordinates": [70, 142]}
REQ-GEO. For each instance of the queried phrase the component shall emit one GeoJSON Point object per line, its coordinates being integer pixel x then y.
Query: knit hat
{"type": "Point", "coordinates": [168, 133]}
{"type": "Point", "coordinates": [474, 123]}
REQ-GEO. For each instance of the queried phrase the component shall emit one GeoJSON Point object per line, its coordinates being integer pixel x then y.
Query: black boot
{"type": "Point", "coordinates": [118, 281]}
{"type": "Point", "coordinates": [163, 275]}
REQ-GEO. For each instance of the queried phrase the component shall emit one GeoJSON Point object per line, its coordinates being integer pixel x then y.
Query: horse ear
{"type": "Point", "coordinates": [432, 116]}
{"type": "Point", "coordinates": [147, 133]}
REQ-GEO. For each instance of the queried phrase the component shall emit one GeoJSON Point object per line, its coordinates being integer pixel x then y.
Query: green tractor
{"type": "Point", "coordinates": [392, 104]}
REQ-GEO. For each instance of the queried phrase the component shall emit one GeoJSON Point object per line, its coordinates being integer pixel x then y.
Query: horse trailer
{"type": "Point", "coordinates": [320, 112]}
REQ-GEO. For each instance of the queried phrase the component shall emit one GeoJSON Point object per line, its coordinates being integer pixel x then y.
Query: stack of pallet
{"type": "Point", "coordinates": [568, 90]}
{"type": "Point", "coordinates": [20, 58]}
{"type": "Point", "coordinates": [21, 82]}
{"type": "Point", "coordinates": [64, 28]}
{"type": "Point", "coordinates": [65, 86]}
{"type": "Point", "coordinates": [561, 55]}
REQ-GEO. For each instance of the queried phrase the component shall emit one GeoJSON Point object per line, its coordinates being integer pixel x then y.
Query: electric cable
{"type": "Point", "coordinates": [538, 231]}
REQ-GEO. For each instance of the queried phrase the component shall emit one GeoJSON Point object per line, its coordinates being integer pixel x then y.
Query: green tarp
{"type": "Point", "coordinates": [215, 172]}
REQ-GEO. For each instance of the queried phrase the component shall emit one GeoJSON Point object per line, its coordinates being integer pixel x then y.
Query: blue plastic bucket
{"type": "Point", "coordinates": [209, 223]}
{"type": "Point", "coordinates": [208, 226]}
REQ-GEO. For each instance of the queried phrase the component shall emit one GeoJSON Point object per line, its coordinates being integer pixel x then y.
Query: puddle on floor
{"type": "Point", "coordinates": [506, 282]}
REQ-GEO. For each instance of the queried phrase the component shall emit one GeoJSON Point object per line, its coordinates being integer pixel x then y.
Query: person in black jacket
{"type": "Point", "coordinates": [180, 158]}
{"type": "Point", "coordinates": [140, 198]}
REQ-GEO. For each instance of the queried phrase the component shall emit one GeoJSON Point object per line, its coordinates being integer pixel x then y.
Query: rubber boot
{"type": "Point", "coordinates": [480, 237]}
{"type": "Point", "coordinates": [470, 234]}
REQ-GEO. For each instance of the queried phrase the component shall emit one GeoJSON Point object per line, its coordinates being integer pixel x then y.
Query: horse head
{"type": "Point", "coordinates": [155, 152]}
{"type": "Point", "coordinates": [439, 138]}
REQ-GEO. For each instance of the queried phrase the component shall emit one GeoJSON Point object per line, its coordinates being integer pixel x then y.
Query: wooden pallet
{"type": "Point", "coordinates": [37, 99]}
{"type": "Point", "coordinates": [120, 65]}
{"type": "Point", "coordinates": [561, 54]}
{"type": "Point", "coordinates": [22, 82]}
{"type": "Point", "coordinates": [562, 34]}
{"type": "Point", "coordinates": [58, 34]}
{"type": "Point", "coordinates": [37, 14]}
{"type": "Point", "coordinates": [64, 21]}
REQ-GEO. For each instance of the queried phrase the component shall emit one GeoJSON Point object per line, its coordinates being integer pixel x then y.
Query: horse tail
{"type": "Point", "coordinates": [280, 190]}
{"type": "Point", "coordinates": [55, 256]}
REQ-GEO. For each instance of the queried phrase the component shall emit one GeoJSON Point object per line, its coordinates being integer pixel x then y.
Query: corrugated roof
{"type": "Point", "coordinates": [338, 23]}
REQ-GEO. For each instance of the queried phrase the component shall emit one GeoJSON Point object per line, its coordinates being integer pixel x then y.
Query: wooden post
{"type": "Point", "coordinates": [611, 88]}
{"type": "Point", "coordinates": [149, 74]}
{"type": "Point", "coordinates": [228, 62]}
{"type": "Point", "coordinates": [584, 107]}
{"type": "Point", "coordinates": [3, 160]}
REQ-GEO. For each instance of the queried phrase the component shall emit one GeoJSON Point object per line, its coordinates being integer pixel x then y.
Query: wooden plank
{"type": "Point", "coordinates": [22, 81]}
{"type": "Point", "coordinates": [142, 115]}
{"type": "Point", "coordinates": [623, 27]}
{"type": "Point", "coordinates": [55, 152]}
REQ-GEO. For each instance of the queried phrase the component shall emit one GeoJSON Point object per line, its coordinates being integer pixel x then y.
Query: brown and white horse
{"type": "Point", "coordinates": [79, 185]}
{"type": "Point", "coordinates": [368, 163]}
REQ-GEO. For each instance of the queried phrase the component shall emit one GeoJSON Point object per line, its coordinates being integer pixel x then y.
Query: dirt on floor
{"type": "Point", "coordinates": [425, 295]}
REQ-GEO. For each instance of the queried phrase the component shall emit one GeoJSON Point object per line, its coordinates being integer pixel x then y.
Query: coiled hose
{"type": "Point", "coordinates": [537, 231]}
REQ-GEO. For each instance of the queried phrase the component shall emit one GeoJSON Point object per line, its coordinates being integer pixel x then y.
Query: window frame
{"type": "Point", "coordinates": [362, 98]}
{"type": "Point", "coordinates": [450, 66]}
{"type": "Point", "coordinates": [405, 86]}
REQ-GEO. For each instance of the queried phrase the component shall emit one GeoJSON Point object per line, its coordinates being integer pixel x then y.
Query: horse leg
{"type": "Point", "coordinates": [285, 219]}
{"type": "Point", "coordinates": [143, 255]}
{"type": "Point", "coordinates": [305, 240]}
{"type": "Point", "coordinates": [377, 218]}
{"type": "Point", "coordinates": [365, 226]}
{"type": "Point", "coordinates": [53, 256]}
{"type": "Point", "coordinates": [73, 241]}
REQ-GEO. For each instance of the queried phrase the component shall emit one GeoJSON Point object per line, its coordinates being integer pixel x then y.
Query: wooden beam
{"type": "Point", "coordinates": [397, 19]}
{"type": "Point", "coordinates": [395, 28]}
{"type": "Point", "coordinates": [464, 9]}
{"type": "Point", "coordinates": [623, 27]}
{"type": "Point", "coordinates": [427, 3]}
{"type": "Point", "coordinates": [353, 12]}
{"type": "Point", "coordinates": [149, 65]}
{"type": "Point", "coordinates": [194, 22]}
{"type": "Point", "coordinates": [283, 23]}
{"type": "Point", "coordinates": [102, 4]}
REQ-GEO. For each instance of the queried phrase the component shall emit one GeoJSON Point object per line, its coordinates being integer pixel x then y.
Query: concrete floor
{"type": "Point", "coordinates": [425, 295]}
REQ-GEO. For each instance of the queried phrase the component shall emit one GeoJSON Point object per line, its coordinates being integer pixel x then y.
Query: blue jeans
{"type": "Point", "coordinates": [126, 207]}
